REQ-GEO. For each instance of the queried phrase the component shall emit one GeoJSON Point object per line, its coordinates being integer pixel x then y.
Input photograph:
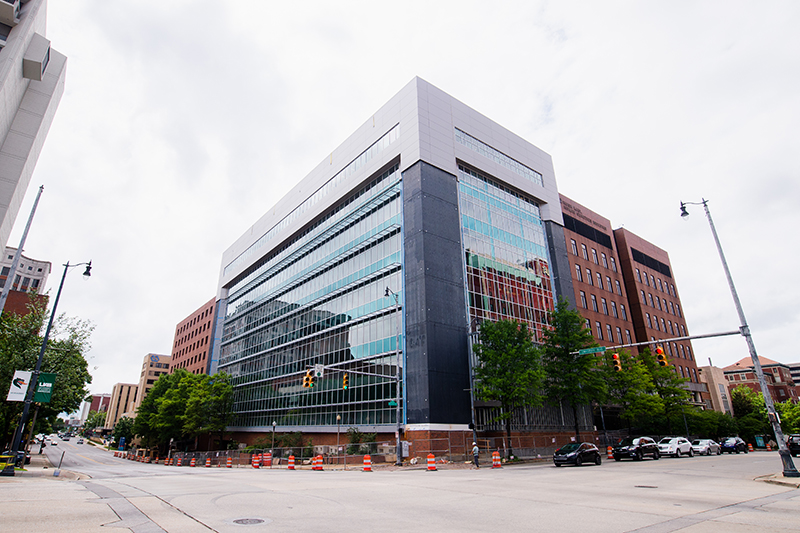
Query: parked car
{"type": "Point", "coordinates": [793, 443]}
{"type": "Point", "coordinates": [577, 454]}
{"type": "Point", "coordinates": [636, 448]}
{"type": "Point", "coordinates": [706, 447]}
{"type": "Point", "coordinates": [675, 446]}
{"type": "Point", "coordinates": [80, 441]}
{"type": "Point", "coordinates": [20, 457]}
{"type": "Point", "coordinates": [65, 438]}
{"type": "Point", "coordinates": [733, 444]}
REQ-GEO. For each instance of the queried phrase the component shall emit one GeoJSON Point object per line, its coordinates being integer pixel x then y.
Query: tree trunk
{"type": "Point", "coordinates": [577, 426]}
{"type": "Point", "coordinates": [508, 437]}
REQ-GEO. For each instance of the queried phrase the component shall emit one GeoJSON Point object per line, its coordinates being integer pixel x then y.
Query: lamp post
{"type": "Point", "coordinates": [35, 375]}
{"type": "Point", "coordinates": [471, 354]}
{"type": "Point", "coordinates": [272, 451]}
{"type": "Point", "coordinates": [338, 422]}
{"type": "Point", "coordinates": [390, 292]}
{"type": "Point", "coordinates": [789, 469]}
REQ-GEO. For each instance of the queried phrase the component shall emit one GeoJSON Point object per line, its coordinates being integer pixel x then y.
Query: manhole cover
{"type": "Point", "coordinates": [248, 521]}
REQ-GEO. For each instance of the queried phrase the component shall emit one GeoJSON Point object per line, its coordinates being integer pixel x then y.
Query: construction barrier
{"type": "Point", "coordinates": [316, 463]}
{"type": "Point", "coordinates": [749, 447]}
{"type": "Point", "coordinates": [496, 460]}
{"type": "Point", "coordinates": [230, 462]}
{"type": "Point", "coordinates": [179, 461]}
{"type": "Point", "coordinates": [193, 462]}
{"type": "Point", "coordinates": [208, 462]}
{"type": "Point", "coordinates": [609, 453]}
{"type": "Point", "coordinates": [431, 463]}
{"type": "Point", "coordinates": [291, 462]}
{"type": "Point", "coordinates": [148, 459]}
{"type": "Point", "coordinates": [367, 463]}
{"type": "Point", "coordinates": [256, 462]}
{"type": "Point", "coordinates": [769, 448]}
{"type": "Point", "coordinates": [268, 459]}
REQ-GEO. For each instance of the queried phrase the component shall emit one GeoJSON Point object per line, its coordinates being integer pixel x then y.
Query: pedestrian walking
{"type": "Point", "coordinates": [475, 452]}
{"type": "Point", "coordinates": [41, 447]}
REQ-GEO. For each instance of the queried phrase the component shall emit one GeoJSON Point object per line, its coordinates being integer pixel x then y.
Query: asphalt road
{"type": "Point", "coordinates": [688, 494]}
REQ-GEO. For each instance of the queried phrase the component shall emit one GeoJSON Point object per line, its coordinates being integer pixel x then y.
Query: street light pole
{"type": "Point", "coordinates": [35, 375]}
{"type": "Point", "coordinates": [789, 469]}
{"type": "Point", "coordinates": [272, 451]}
{"type": "Point", "coordinates": [471, 355]}
{"type": "Point", "coordinates": [338, 425]}
{"type": "Point", "coordinates": [397, 375]}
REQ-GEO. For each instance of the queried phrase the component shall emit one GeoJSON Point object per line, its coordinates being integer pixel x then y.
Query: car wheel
{"type": "Point", "coordinates": [558, 464]}
{"type": "Point", "coordinates": [656, 455]}
{"type": "Point", "coordinates": [737, 451]}
{"type": "Point", "coordinates": [638, 455]}
{"type": "Point", "coordinates": [598, 460]}
{"type": "Point", "coordinates": [617, 458]}
{"type": "Point", "coordinates": [719, 451]}
{"type": "Point", "coordinates": [678, 453]}
{"type": "Point", "coordinates": [691, 452]}
{"type": "Point", "coordinates": [578, 461]}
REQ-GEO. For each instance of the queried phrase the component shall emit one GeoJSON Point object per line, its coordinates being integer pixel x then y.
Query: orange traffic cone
{"type": "Point", "coordinates": [208, 462]}
{"type": "Point", "coordinates": [496, 460]}
{"type": "Point", "coordinates": [749, 447]}
{"type": "Point", "coordinates": [256, 461]}
{"type": "Point", "coordinates": [431, 463]}
{"type": "Point", "coordinates": [230, 462]}
{"type": "Point", "coordinates": [193, 462]}
{"type": "Point", "coordinates": [609, 453]}
{"type": "Point", "coordinates": [291, 462]}
{"type": "Point", "coordinates": [179, 461]}
{"type": "Point", "coordinates": [769, 448]}
{"type": "Point", "coordinates": [367, 463]}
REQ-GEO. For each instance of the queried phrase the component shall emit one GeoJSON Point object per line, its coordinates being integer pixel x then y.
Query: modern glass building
{"type": "Point", "coordinates": [429, 201]}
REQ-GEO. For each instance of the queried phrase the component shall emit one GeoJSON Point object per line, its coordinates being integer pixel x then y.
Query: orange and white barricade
{"type": "Point", "coordinates": [267, 459]}
{"type": "Point", "coordinates": [291, 462]}
{"type": "Point", "coordinates": [431, 463]}
{"type": "Point", "coordinates": [180, 461]}
{"type": "Point", "coordinates": [769, 448]}
{"type": "Point", "coordinates": [208, 462]}
{"type": "Point", "coordinates": [230, 462]}
{"type": "Point", "coordinates": [193, 462]}
{"type": "Point", "coordinates": [256, 462]}
{"type": "Point", "coordinates": [496, 460]}
{"type": "Point", "coordinates": [749, 447]}
{"type": "Point", "coordinates": [609, 453]}
{"type": "Point", "coordinates": [367, 463]}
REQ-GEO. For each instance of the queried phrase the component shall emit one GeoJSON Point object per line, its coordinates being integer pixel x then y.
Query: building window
{"type": "Point", "coordinates": [605, 259]}
{"type": "Point", "coordinates": [594, 303]}
{"type": "Point", "coordinates": [653, 281]}
{"type": "Point", "coordinates": [689, 353]}
{"type": "Point", "coordinates": [604, 304]}
{"type": "Point", "coordinates": [655, 323]}
{"type": "Point", "coordinates": [649, 323]}
{"type": "Point", "coordinates": [614, 309]}
{"type": "Point", "coordinates": [622, 312]}
{"type": "Point", "coordinates": [574, 246]}
{"type": "Point", "coordinates": [658, 301]}
{"type": "Point", "coordinates": [5, 271]}
{"type": "Point", "coordinates": [594, 257]}
{"type": "Point", "coordinates": [680, 347]}
{"type": "Point", "coordinates": [619, 335]}
{"type": "Point", "coordinates": [683, 330]}
{"type": "Point", "coordinates": [678, 309]}
{"type": "Point", "coordinates": [650, 296]}
{"type": "Point", "coordinates": [618, 287]}
{"type": "Point", "coordinates": [628, 336]}
{"type": "Point", "coordinates": [589, 277]}
{"type": "Point", "coordinates": [599, 280]}
{"type": "Point", "coordinates": [608, 284]}
{"type": "Point", "coordinates": [583, 300]}
{"type": "Point", "coordinates": [660, 287]}
{"type": "Point", "coordinates": [588, 325]}
{"type": "Point", "coordinates": [644, 298]}
{"type": "Point", "coordinates": [669, 350]}
{"type": "Point", "coordinates": [609, 333]}
{"type": "Point", "coordinates": [613, 265]}
{"type": "Point", "coordinates": [578, 274]}
{"type": "Point", "coordinates": [638, 275]}
{"type": "Point", "coordinates": [599, 330]}
{"type": "Point", "coordinates": [585, 251]}
{"type": "Point", "coordinates": [672, 290]}
{"type": "Point", "coordinates": [671, 329]}
{"type": "Point", "coordinates": [694, 375]}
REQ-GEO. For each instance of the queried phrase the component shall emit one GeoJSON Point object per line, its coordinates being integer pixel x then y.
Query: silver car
{"type": "Point", "coordinates": [706, 447]}
{"type": "Point", "coordinates": [675, 446]}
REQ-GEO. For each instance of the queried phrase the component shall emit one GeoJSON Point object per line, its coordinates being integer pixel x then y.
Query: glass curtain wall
{"type": "Point", "coordinates": [507, 263]}
{"type": "Point", "coordinates": [319, 299]}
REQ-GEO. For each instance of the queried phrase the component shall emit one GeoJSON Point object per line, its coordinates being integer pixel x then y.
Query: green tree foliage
{"type": "Point", "coordinates": [750, 413]}
{"type": "Point", "coordinates": [94, 420]}
{"type": "Point", "coordinates": [508, 369]}
{"type": "Point", "coordinates": [631, 388]}
{"type": "Point", "coordinates": [20, 343]}
{"type": "Point", "coordinates": [182, 405]}
{"type": "Point", "coordinates": [124, 429]}
{"type": "Point", "coordinates": [709, 424]}
{"type": "Point", "coordinates": [571, 378]}
{"type": "Point", "coordinates": [790, 416]}
{"type": "Point", "coordinates": [669, 386]}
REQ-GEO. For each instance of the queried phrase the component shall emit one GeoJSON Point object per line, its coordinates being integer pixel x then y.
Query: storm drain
{"type": "Point", "coordinates": [248, 521]}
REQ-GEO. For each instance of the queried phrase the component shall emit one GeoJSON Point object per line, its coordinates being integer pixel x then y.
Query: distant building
{"type": "Point", "coordinates": [123, 403]}
{"type": "Point", "coordinates": [777, 375]}
{"type": "Point", "coordinates": [153, 366]}
{"type": "Point", "coordinates": [717, 397]}
{"type": "Point", "coordinates": [794, 368]}
{"type": "Point", "coordinates": [32, 78]}
{"type": "Point", "coordinates": [29, 280]}
{"type": "Point", "coordinates": [99, 404]}
{"type": "Point", "coordinates": [193, 337]}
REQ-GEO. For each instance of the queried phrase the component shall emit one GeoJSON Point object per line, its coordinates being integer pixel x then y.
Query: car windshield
{"type": "Point", "coordinates": [627, 442]}
{"type": "Point", "coordinates": [569, 448]}
{"type": "Point", "coordinates": [698, 442]}
{"type": "Point", "coordinates": [730, 440]}
{"type": "Point", "coordinates": [666, 440]}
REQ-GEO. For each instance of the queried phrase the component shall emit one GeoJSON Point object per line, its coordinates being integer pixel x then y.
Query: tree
{"type": "Point", "coordinates": [210, 406]}
{"type": "Point", "coordinates": [750, 413]}
{"type": "Point", "coordinates": [631, 388]}
{"type": "Point", "coordinates": [508, 369]}
{"type": "Point", "coordinates": [94, 420]}
{"type": "Point", "coordinates": [161, 414]}
{"type": "Point", "coordinates": [124, 430]}
{"type": "Point", "coordinates": [668, 385]}
{"type": "Point", "coordinates": [572, 378]}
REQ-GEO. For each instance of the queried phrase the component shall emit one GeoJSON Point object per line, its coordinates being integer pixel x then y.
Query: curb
{"type": "Point", "coordinates": [778, 479]}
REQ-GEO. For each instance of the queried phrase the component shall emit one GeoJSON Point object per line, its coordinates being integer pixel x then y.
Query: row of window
{"type": "Point", "coordinates": [186, 349]}
{"type": "Point", "coordinates": [27, 283]}
{"type": "Point", "coordinates": [192, 334]}
{"type": "Point", "coordinates": [609, 333]}
{"type": "Point", "coordinates": [652, 281]}
{"type": "Point", "coordinates": [656, 303]}
{"type": "Point", "coordinates": [604, 306]}
{"type": "Point", "coordinates": [608, 262]}
{"type": "Point", "coordinates": [676, 329]}
{"type": "Point", "coordinates": [617, 287]}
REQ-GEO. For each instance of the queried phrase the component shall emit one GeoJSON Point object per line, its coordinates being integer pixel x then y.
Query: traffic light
{"type": "Point", "coordinates": [660, 357]}
{"type": "Point", "coordinates": [308, 379]}
{"type": "Point", "coordinates": [345, 381]}
{"type": "Point", "coordinates": [617, 364]}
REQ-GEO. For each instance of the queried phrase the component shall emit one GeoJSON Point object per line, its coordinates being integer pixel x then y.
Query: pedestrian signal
{"type": "Point", "coordinates": [660, 357]}
{"type": "Point", "coordinates": [345, 383]}
{"type": "Point", "coordinates": [617, 364]}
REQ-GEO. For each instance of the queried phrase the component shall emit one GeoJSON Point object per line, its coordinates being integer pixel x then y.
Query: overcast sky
{"type": "Point", "coordinates": [185, 121]}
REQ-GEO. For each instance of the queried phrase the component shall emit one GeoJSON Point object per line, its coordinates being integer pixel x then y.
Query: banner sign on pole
{"type": "Point", "coordinates": [19, 386]}
{"type": "Point", "coordinates": [44, 387]}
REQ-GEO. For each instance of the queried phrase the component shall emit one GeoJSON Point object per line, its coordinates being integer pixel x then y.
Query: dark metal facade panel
{"type": "Point", "coordinates": [559, 262]}
{"type": "Point", "coordinates": [437, 371]}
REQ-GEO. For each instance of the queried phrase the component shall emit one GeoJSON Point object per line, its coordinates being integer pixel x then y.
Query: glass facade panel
{"type": "Point", "coordinates": [319, 299]}
{"type": "Point", "coordinates": [507, 263]}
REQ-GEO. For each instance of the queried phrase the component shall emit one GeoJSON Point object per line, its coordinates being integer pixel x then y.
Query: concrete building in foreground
{"type": "Point", "coordinates": [32, 78]}
{"type": "Point", "coordinates": [430, 200]}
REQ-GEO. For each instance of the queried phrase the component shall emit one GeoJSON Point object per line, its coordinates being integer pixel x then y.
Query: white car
{"type": "Point", "coordinates": [676, 446]}
{"type": "Point", "coordinates": [706, 447]}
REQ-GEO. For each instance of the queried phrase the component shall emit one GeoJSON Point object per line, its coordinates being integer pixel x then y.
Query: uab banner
{"type": "Point", "coordinates": [44, 388]}
{"type": "Point", "coordinates": [19, 386]}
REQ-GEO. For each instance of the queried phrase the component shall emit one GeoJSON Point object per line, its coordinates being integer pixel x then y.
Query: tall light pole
{"type": "Point", "coordinates": [788, 465]}
{"type": "Point", "coordinates": [13, 270]}
{"type": "Point", "coordinates": [35, 375]}
{"type": "Point", "coordinates": [338, 425]}
{"type": "Point", "coordinates": [272, 451]}
{"type": "Point", "coordinates": [397, 375]}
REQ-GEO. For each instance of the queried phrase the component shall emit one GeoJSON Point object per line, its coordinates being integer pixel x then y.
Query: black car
{"type": "Point", "coordinates": [636, 448]}
{"type": "Point", "coordinates": [577, 454]}
{"type": "Point", "coordinates": [793, 443]}
{"type": "Point", "coordinates": [733, 445]}
{"type": "Point", "coordinates": [21, 457]}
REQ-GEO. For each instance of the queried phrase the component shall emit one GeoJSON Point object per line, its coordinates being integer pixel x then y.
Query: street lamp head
{"type": "Point", "coordinates": [274, 424]}
{"type": "Point", "coordinates": [386, 292]}
{"type": "Point", "coordinates": [684, 212]}
{"type": "Point", "coordinates": [88, 272]}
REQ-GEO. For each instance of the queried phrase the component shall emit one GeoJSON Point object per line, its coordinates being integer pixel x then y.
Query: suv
{"type": "Point", "coordinates": [676, 446]}
{"type": "Point", "coordinates": [636, 448]}
{"type": "Point", "coordinates": [733, 444]}
{"type": "Point", "coordinates": [793, 443]}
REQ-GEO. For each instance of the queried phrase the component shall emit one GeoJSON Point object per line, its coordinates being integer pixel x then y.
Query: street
{"type": "Point", "coordinates": [717, 493]}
